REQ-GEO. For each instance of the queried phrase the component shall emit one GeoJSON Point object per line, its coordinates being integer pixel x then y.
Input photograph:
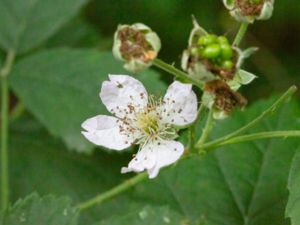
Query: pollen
{"type": "Point", "coordinates": [148, 122]}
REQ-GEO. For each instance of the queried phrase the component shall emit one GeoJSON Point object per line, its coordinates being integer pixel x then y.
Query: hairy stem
{"type": "Point", "coordinates": [207, 128]}
{"type": "Point", "coordinates": [4, 72]}
{"type": "Point", "coordinates": [264, 114]}
{"type": "Point", "coordinates": [192, 128]}
{"type": "Point", "coordinates": [257, 136]}
{"type": "Point", "coordinates": [241, 33]}
{"type": "Point", "coordinates": [114, 191]}
{"type": "Point", "coordinates": [176, 72]}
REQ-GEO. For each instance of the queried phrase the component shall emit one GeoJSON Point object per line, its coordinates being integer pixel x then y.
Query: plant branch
{"type": "Point", "coordinates": [207, 128]}
{"type": "Point", "coordinates": [241, 33]}
{"type": "Point", "coordinates": [176, 72]}
{"type": "Point", "coordinates": [114, 191]}
{"type": "Point", "coordinates": [191, 134]}
{"type": "Point", "coordinates": [264, 114]}
{"type": "Point", "coordinates": [4, 72]}
{"type": "Point", "coordinates": [255, 136]}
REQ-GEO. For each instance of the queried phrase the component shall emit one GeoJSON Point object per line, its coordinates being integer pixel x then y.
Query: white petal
{"type": "Point", "coordinates": [104, 131]}
{"type": "Point", "coordinates": [180, 104]}
{"type": "Point", "coordinates": [154, 156]}
{"type": "Point", "coordinates": [122, 92]}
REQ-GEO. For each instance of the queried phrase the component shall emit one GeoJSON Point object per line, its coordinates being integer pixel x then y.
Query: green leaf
{"type": "Point", "coordinates": [147, 215]}
{"type": "Point", "coordinates": [293, 206]}
{"type": "Point", "coordinates": [40, 163]}
{"type": "Point", "coordinates": [26, 24]}
{"type": "Point", "coordinates": [239, 184]}
{"type": "Point", "coordinates": [76, 33]}
{"type": "Point", "coordinates": [34, 210]}
{"type": "Point", "coordinates": [61, 88]}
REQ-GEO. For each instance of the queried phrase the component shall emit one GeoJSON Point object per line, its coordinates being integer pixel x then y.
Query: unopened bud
{"type": "Point", "coordinates": [137, 45]}
{"type": "Point", "coordinates": [250, 10]}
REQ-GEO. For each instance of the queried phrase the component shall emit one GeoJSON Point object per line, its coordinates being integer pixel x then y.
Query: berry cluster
{"type": "Point", "coordinates": [216, 49]}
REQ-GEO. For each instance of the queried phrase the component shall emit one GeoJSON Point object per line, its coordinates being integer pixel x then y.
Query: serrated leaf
{"type": "Point", "coordinates": [147, 215]}
{"type": "Point", "coordinates": [61, 88]}
{"type": "Point", "coordinates": [42, 164]}
{"type": "Point", "coordinates": [293, 206]}
{"type": "Point", "coordinates": [239, 184]}
{"type": "Point", "coordinates": [34, 210]}
{"type": "Point", "coordinates": [25, 24]}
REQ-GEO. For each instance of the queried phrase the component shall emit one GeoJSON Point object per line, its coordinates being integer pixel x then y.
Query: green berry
{"type": "Point", "coordinates": [223, 40]}
{"type": "Point", "coordinates": [194, 51]}
{"type": "Point", "coordinates": [227, 65]}
{"type": "Point", "coordinates": [255, 1]}
{"type": "Point", "coordinates": [211, 51]}
{"type": "Point", "coordinates": [207, 40]}
{"type": "Point", "coordinates": [226, 51]}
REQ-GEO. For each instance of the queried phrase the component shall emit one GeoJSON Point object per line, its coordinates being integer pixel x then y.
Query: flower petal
{"type": "Point", "coordinates": [104, 131]}
{"type": "Point", "coordinates": [180, 104]}
{"type": "Point", "coordinates": [122, 94]}
{"type": "Point", "coordinates": [154, 156]}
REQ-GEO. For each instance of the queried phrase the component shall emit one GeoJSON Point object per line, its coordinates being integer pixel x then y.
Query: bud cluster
{"type": "Point", "coordinates": [216, 54]}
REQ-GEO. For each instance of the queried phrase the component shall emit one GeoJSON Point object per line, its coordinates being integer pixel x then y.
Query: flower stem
{"type": "Point", "coordinates": [114, 191]}
{"type": "Point", "coordinates": [176, 72]}
{"type": "Point", "coordinates": [256, 136]}
{"type": "Point", "coordinates": [191, 141]}
{"type": "Point", "coordinates": [264, 114]}
{"type": "Point", "coordinates": [241, 33]}
{"type": "Point", "coordinates": [207, 128]}
{"type": "Point", "coordinates": [4, 147]}
{"type": "Point", "coordinates": [4, 129]}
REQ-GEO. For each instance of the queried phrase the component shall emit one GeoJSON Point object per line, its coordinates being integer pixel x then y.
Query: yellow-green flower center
{"type": "Point", "coordinates": [148, 122]}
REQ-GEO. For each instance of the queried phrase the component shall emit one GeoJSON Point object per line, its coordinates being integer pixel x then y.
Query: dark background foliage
{"type": "Point", "coordinates": [276, 64]}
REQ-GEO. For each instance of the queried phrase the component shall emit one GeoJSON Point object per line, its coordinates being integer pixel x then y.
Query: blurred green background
{"type": "Point", "coordinates": [277, 62]}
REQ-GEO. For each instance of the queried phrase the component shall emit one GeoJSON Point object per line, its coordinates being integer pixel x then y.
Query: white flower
{"type": "Point", "coordinates": [139, 119]}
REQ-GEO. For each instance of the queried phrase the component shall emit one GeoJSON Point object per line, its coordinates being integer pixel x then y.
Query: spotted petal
{"type": "Point", "coordinates": [122, 94]}
{"type": "Point", "coordinates": [154, 156]}
{"type": "Point", "coordinates": [104, 131]}
{"type": "Point", "coordinates": [180, 106]}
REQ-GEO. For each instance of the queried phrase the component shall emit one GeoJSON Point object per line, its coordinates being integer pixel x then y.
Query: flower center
{"type": "Point", "coordinates": [148, 122]}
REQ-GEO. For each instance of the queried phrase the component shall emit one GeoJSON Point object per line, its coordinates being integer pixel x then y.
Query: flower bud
{"type": "Point", "coordinates": [219, 96]}
{"type": "Point", "coordinates": [249, 10]}
{"type": "Point", "coordinates": [209, 57]}
{"type": "Point", "coordinates": [137, 45]}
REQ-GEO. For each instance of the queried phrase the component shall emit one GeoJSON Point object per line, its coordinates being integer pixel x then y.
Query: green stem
{"type": "Point", "coordinates": [264, 114]}
{"type": "Point", "coordinates": [255, 136]}
{"type": "Point", "coordinates": [241, 33]}
{"type": "Point", "coordinates": [207, 128]}
{"type": "Point", "coordinates": [176, 72]}
{"type": "Point", "coordinates": [4, 72]}
{"type": "Point", "coordinates": [4, 147]}
{"type": "Point", "coordinates": [114, 191]}
{"type": "Point", "coordinates": [191, 141]}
